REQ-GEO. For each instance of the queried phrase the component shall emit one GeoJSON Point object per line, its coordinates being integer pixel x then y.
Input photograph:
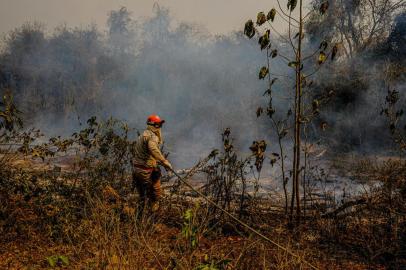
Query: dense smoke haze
{"type": "Point", "coordinates": [198, 82]}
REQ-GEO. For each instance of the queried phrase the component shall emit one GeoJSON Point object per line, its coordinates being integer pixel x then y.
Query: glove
{"type": "Point", "coordinates": [167, 165]}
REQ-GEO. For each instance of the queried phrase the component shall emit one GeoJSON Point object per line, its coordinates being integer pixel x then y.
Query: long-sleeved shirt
{"type": "Point", "coordinates": [146, 149]}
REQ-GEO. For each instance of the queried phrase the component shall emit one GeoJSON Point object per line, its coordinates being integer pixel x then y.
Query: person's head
{"type": "Point", "coordinates": [155, 121]}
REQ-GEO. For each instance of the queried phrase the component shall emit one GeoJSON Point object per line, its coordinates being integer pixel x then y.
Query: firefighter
{"type": "Point", "coordinates": [147, 158]}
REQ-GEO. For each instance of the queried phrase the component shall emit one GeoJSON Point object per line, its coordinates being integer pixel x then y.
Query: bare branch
{"type": "Point", "coordinates": [288, 16]}
{"type": "Point", "coordinates": [290, 38]}
{"type": "Point", "coordinates": [280, 35]}
{"type": "Point", "coordinates": [318, 68]}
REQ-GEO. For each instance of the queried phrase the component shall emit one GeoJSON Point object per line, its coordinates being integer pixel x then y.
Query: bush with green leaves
{"type": "Point", "coordinates": [190, 229]}
{"type": "Point", "coordinates": [100, 155]}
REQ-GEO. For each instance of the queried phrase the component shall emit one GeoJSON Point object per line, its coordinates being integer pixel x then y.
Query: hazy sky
{"type": "Point", "coordinates": [218, 16]}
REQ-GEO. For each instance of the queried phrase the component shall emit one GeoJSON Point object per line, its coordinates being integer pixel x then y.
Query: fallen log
{"type": "Point", "coordinates": [343, 207]}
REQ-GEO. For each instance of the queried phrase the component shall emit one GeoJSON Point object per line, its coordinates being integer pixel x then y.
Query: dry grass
{"type": "Point", "coordinates": [86, 213]}
{"type": "Point", "coordinates": [111, 236]}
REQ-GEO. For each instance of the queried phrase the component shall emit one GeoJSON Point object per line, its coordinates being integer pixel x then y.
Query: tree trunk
{"type": "Point", "coordinates": [298, 113]}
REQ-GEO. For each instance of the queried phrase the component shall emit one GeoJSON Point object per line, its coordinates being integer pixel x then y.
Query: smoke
{"type": "Point", "coordinates": [199, 83]}
{"type": "Point", "coordinates": [371, 62]}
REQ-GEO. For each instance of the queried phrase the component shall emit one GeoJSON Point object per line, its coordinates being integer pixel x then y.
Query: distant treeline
{"type": "Point", "coordinates": [201, 83]}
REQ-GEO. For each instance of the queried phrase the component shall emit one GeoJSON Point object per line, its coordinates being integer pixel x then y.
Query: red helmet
{"type": "Point", "coordinates": [154, 119]}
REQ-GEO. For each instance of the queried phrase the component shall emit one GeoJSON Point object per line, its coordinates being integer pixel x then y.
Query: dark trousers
{"type": "Point", "coordinates": [148, 184]}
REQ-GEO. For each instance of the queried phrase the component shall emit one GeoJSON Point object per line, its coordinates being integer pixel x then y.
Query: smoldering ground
{"type": "Point", "coordinates": [198, 82]}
